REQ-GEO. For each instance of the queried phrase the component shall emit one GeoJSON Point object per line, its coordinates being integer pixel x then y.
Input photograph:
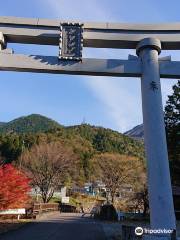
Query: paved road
{"type": "Point", "coordinates": [59, 227]}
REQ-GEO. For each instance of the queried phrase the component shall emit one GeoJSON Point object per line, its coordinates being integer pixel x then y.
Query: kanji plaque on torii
{"type": "Point", "coordinates": [71, 41]}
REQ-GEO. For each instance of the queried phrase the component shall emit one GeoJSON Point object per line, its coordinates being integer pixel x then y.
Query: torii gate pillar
{"type": "Point", "coordinates": [159, 184]}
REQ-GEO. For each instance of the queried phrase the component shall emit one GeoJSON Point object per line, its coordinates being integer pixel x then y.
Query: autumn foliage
{"type": "Point", "coordinates": [14, 187]}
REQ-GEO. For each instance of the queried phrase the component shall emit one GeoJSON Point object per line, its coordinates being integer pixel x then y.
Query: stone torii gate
{"type": "Point", "coordinates": [148, 40]}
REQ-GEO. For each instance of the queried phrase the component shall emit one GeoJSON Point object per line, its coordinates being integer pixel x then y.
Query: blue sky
{"type": "Point", "coordinates": [110, 102]}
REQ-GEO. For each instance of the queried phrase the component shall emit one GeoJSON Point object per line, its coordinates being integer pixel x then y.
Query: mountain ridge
{"type": "Point", "coordinates": [136, 132]}
{"type": "Point", "coordinates": [29, 124]}
{"type": "Point", "coordinates": [34, 129]}
{"type": "Point", "coordinates": [35, 123]}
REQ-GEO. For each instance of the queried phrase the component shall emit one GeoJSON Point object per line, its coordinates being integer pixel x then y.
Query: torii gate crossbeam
{"type": "Point", "coordinates": [148, 40]}
{"type": "Point", "coordinates": [89, 66]}
{"type": "Point", "coordinates": [98, 35]}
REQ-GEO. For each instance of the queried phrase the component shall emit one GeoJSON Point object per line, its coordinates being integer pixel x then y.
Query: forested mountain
{"type": "Point", "coordinates": [107, 140]}
{"type": "Point", "coordinates": [86, 146]}
{"type": "Point", "coordinates": [24, 132]}
{"type": "Point", "coordinates": [29, 124]}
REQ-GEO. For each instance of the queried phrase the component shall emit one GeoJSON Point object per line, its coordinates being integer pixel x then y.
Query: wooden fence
{"type": "Point", "coordinates": [39, 208]}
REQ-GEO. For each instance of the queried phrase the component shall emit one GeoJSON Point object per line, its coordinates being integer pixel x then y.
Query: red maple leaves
{"type": "Point", "coordinates": [14, 187]}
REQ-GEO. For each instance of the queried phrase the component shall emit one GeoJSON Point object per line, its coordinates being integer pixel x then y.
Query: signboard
{"type": "Point", "coordinates": [13, 211]}
{"type": "Point", "coordinates": [71, 41]}
{"type": "Point", "coordinates": [65, 199]}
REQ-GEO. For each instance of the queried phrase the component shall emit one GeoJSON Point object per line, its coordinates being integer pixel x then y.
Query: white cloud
{"type": "Point", "coordinates": [77, 10]}
{"type": "Point", "coordinates": [120, 104]}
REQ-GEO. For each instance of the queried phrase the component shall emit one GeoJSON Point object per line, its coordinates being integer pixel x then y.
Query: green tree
{"type": "Point", "coordinates": [10, 147]}
{"type": "Point", "coordinates": [172, 122]}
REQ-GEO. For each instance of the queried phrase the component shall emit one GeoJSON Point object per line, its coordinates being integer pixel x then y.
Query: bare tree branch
{"type": "Point", "coordinates": [47, 165]}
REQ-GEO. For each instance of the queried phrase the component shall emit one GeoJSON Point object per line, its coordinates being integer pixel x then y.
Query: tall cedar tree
{"type": "Point", "coordinates": [14, 187]}
{"type": "Point", "coordinates": [172, 122]}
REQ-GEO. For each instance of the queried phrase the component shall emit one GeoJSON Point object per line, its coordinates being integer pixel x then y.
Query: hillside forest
{"type": "Point", "coordinates": [53, 155]}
